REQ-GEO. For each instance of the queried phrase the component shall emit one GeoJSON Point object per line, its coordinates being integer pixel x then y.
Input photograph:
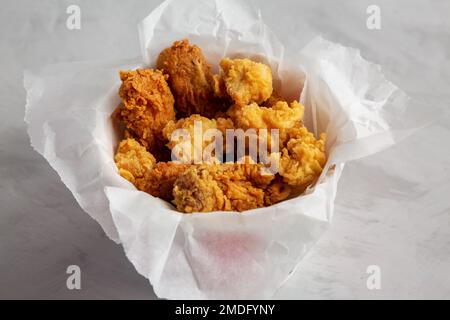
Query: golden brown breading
{"type": "Point", "coordinates": [303, 158]}
{"type": "Point", "coordinates": [190, 79]}
{"type": "Point", "coordinates": [246, 81]}
{"type": "Point", "coordinates": [197, 191]}
{"type": "Point", "coordinates": [221, 187]}
{"type": "Point", "coordinates": [196, 126]}
{"type": "Point", "coordinates": [147, 105]}
{"type": "Point", "coordinates": [139, 167]}
{"type": "Point", "coordinates": [159, 181]}
{"type": "Point", "coordinates": [277, 191]}
{"type": "Point", "coordinates": [134, 162]}
{"type": "Point", "coordinates": [280, 116]}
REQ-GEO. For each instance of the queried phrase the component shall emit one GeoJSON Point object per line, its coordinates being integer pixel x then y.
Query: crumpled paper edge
{"type": "Point", "coordinates": [32, 81]}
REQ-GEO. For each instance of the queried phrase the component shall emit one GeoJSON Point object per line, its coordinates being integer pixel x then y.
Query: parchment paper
{"type": "Point", "coordinates": [214, 255]}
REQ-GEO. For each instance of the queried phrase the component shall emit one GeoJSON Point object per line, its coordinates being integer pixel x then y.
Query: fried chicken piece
{"type": "Point", "coordinates": [191, 148]}
{"type": "Point", "coordinates": [221, 187]}
{"type": "Point", "coordinates": [134, 162]}
{"type": "Point", "coordinates": [160, 180]}
{"type": "Point", "coordinates": [147, 105]}
{"type": "Point", "coordinates": [276, 192]}
{"type": "Point", "coordinates": [190, 79]}
{"type": "Point", "coordinates": [197, 191]}
{"type": "Point", "coordinates": [280, 116]}
{"type": "Point", "coordinates": [138, 166]}
{"type": "Point", "coordinates": [246, 81]}
{"type": "Point", "coordinates": [303, 158]}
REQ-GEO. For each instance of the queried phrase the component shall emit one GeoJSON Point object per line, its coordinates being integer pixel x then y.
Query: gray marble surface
{"type": "Point", "coordinates": [43, 230]}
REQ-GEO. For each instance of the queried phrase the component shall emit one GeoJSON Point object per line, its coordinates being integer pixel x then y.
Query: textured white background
{"type": "Point", "coordinates": [43, 230]}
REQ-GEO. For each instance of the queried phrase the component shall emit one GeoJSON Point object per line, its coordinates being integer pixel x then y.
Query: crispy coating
{"type": "Point", "coordinates": [197, 191]}
{"type": "Point", "coordinates": [134, 162]}
{"type": "Point", "coordinates": [246, 81]}
{"type": "Point", "coordinates": [280, 116]}
{"type": "Point", "coordinates": [190, 79]}
{"type": "Point", "coordinates": [147, 105]}
{"type": "Point", "coordinates": [303, 158]}
{"type": "Point", "coordinates": [277, 191]}
{"type": "Point", "coordinates": [192, 147]}
{"type": "Point", "coordinates": [138, 166]}
{"type": "Point", "coordinates": [159, 181]}
{"type": "Point", "coordinates": [221, 187]}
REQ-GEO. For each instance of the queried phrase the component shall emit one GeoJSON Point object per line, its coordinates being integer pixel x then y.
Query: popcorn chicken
{"type": "Point", "coordinates": [303, 158]}
{"type": "Point", "coordinates": [190, 79]}
{"type": "Point", "coordinates": [246, 81]}
{"type": "Point", "coordinates": [221, 187]}
{"type": "Point", "coordinates": [147, 106]}
{"type": "Point", "coordinates": [194, 147]}
{"type": "Point", "coordinates": [134, 162]}
{"type": "Point", "coordinates": [280, 116]}
{"type": "Point", "coordinates": [160, 180]}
